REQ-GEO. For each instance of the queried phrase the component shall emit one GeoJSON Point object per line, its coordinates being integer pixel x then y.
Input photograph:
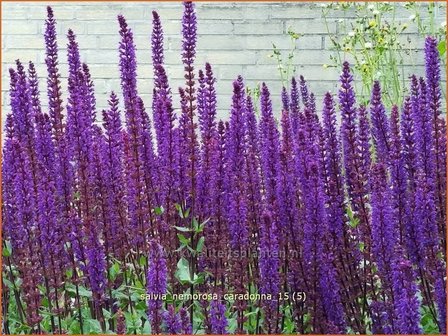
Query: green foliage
{"type": "Point", "coordinates": [376, 43]}
{"type": "Point", "coordinates": [374, 40]}
{"type": "Point", "coordinates": [353, 221]}
{"type": "Point", "coordinates": [7, 249]}
{"type": "Point", "coordinates": [285, 63]}
{"type": "Point", "coordinates": [427, 322]}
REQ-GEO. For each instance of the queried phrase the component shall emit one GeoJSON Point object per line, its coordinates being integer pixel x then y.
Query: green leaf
{"type": "Point", "coordinates": [183, 271]}
{"type": "Point", "coordinates": [76, 196]}
{"type": "Point", "coordinates": [119, 295]}
{"type": "Point", "coordinates": [182, 229]}
{"type": "Point", "coordinates": [428, 325]}
{"type": "Point", "coordinates": [353, 221]}
{"type": "Point", "coordinates": [135, 297]}
{"type": "Point", "coordinates": [70, 288]}
{"type": "Point", "coordinates": [361, 246]}
{"type": "Point", "coordinates": [442, 47]}
{"type": "Point", "coordinates": [45, 302]}
{"type": "Point", "coordinates": [180, 248]}
{"type": "Point", "coordinates": [74, 328]}
{"type": "Point", "coordinates": [182, 213]}
{"type": "Point", "coordinates": [186, 213]}
{"type": "Point", "coordinates": [133, 323]}
{"type": "Point", "coordinates": [179, 210]}
{"type": "Point", "coordinates": [427, 322]}
{"type": "Point", "coordinates": [146, 328]}
{"type": "Point", "coordinates": [69, 273]}
{"type": "Point", "coordinates": [232, 324]}
{"type": "Point", "coordinates": [107, 314]}
{"type": "Point", "coordinates": [198, 279]}
{"type": "Point", "coordinates": [183, 239]}
{"type": "Point", "coordinates": [8, 283]}
{"type": "Point", "coordinates": [114, 271]}
{"type": "Point", "coordinates": [251, 313]}
{"type": "Point", "coordinates": [142, 261]}
{"type": "Point", "coordinates": [200, 245]}
{"type": "Point", "coordinates": [195, 225]}
{"type": "Point", "coordinates": [289, 326]}
{"type": "Point", "coordinates": [159, 210]}
{"type": "Point", "coordinates": [7, 250]}
{"type": "Point", "coordinates": [85, 292]}
{"type": "Point", "coordinates": [93, 326]}
{"type": "Point", "coordinates": [140, 306]}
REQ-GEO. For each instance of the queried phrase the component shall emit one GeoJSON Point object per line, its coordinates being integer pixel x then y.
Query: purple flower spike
{"type": "Point", "coordinates": [186, 324]}
{"type": "Point", "coordinates": [218, 317]}
{"type": "Point", "coordinates": [407, 125]}
{"type": "Point", "coordinates": [364, 143]}
{"type": "Point", "coordinates": [285, 99]}
{"type": "Point", "coordinates": [294, 106]}
{"type": "Point", "coordinates": [53, 79]}
{"type": "Point", "coordinates": [156, 285]}
{"type": "Point", "coordinates": [188, 97]}
{"type": "Point", "coordinates": [355, 175]}
{"type": "Point", "coordinates": [207, 124]}
{"type": "Point", "coordinates": [440, 294]}
{"type": "Point", "coordinates": [236, 188]}
{"type": "Point", "coordinates": [405, 291]}
{"type": "Point", "coordinates": [96, 266]}
{"type": "Point", "coordinates": [333, 170]}
{"type": "Point", "coordinates": [253, 168]}
{"type": "Point", "coordinates": [8, 177]}
{"type": "Point", "coordinates": [348, 129]}
{"type": "Point", "coordinates": [434, 99]}
{"type": "Point", "coordinates": [172, 321]}
{"type": "Point", "coordinates": [157, 40]}
{"type": "Point", "coordinates": [121, 323]}
{"type": "Point", "coordinates": [113, 167]}
{"type": "Point", "coordinates": [269, 264]}
{"type": "Point", "coordinates": [270, 159]}
{"type": "Point", "coordinates": [189, 32]}
{"type": "Point", "coordinates": [138, 206]}
{"type": "Point", "coordinates": [330, 296]}
{"type": "Point", "coordinates": [384, 234]}
{"type": "Point", "coordinates": [235, 150]}
{"type": "Point", "coordinates": [380, 124]}
{"type": "Point", "coordinates": [52, 232]}
{"type": "Point", "coordinates": [382, 221]}
{"type": "Point", "coordinates": [304, 92]}
{"type": "Point", "coordinates": [398, 177]}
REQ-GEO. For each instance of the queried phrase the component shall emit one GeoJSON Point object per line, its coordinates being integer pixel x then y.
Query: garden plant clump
{"type": "Point", "coordinates": [147, 220]}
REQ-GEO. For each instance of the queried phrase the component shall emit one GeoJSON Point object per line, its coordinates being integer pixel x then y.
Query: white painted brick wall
{"type": "Point", "coordinates": [236, 38]}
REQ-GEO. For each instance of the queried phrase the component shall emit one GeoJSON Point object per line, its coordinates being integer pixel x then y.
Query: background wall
{"type": "Point", "coordinates": [236, 38]}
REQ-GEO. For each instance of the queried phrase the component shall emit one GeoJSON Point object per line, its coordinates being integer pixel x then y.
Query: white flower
{"type": "Point", "coordinates": [412, 17]}
{"type": "Point", "coordinates": [371, 7]}
{"type": "Point", "coordinates": [368, 45]}
{"type": "Point", "coordinates": [376, 12]}
{"type": "Point", "coordinates": [443, 24]}
{"type": "Point", "coordinates": [351, 34]}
